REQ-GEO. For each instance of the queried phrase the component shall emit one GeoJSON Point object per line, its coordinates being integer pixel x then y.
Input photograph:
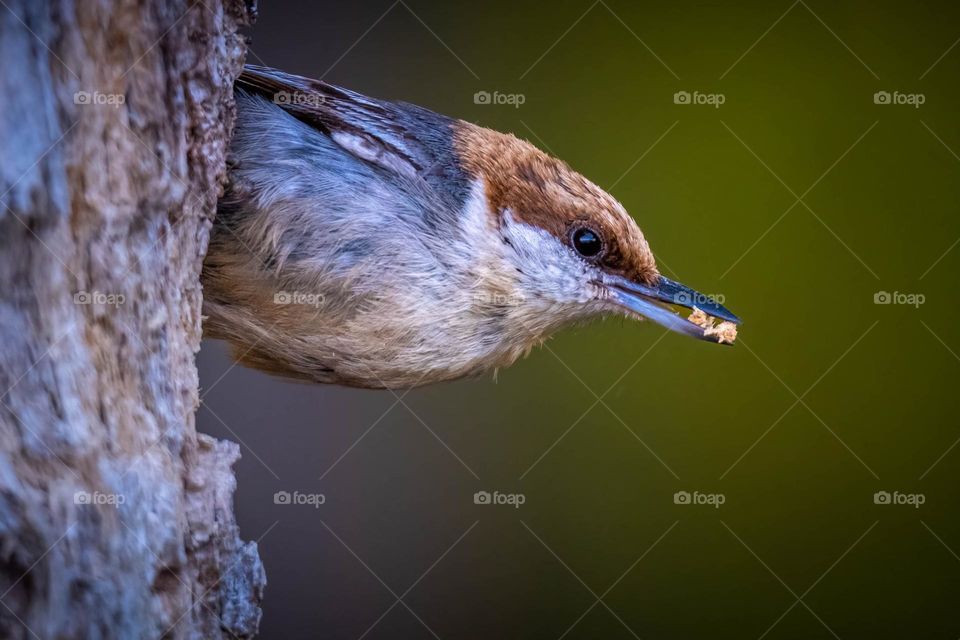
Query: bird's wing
{"type": "Point", "coordinates": [384, 133]}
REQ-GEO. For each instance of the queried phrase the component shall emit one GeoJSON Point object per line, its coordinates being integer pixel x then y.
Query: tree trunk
{"type": "Point", "coordinates": [116, 517]}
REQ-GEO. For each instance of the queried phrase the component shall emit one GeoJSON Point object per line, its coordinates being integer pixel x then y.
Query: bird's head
{"type": "Point", "coordinates": [574, 250]}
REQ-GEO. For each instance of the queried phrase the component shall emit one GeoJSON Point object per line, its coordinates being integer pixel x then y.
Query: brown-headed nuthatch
{"type": "Point", "coordinates": [378, 244]}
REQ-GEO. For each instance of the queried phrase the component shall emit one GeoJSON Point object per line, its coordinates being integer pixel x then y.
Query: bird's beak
{"type": "Point", "coordinates": [651, 302]}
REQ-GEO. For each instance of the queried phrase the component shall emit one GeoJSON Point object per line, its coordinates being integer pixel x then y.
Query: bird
{"type": "Point", "coordinates": [378, 244]}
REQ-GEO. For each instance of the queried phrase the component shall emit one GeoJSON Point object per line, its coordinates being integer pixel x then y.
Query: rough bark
{"type": "Point", "coordinates": [116, 517]}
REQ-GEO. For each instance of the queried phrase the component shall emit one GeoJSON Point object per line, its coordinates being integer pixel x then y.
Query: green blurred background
{"type": "Point", "coordinates": [827, 399]}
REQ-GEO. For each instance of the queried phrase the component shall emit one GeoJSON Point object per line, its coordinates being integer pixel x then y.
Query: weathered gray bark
{"type": "Point", "coordinates": [115, 515]}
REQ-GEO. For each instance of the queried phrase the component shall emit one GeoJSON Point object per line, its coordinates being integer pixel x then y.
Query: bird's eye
{"type": "Point", "coordinates": [587, 242]}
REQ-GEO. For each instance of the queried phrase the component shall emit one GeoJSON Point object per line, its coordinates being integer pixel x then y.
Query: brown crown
{"type": "Point", "coordinates": [544, 192]}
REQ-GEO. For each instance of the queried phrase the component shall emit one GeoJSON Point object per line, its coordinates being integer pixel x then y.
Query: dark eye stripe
{"type": "Point", "coordinates": [587, 242]}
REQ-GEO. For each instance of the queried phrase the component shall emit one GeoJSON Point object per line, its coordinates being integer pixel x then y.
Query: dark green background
{"type": "Point", "coordinates": [798, 477]}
